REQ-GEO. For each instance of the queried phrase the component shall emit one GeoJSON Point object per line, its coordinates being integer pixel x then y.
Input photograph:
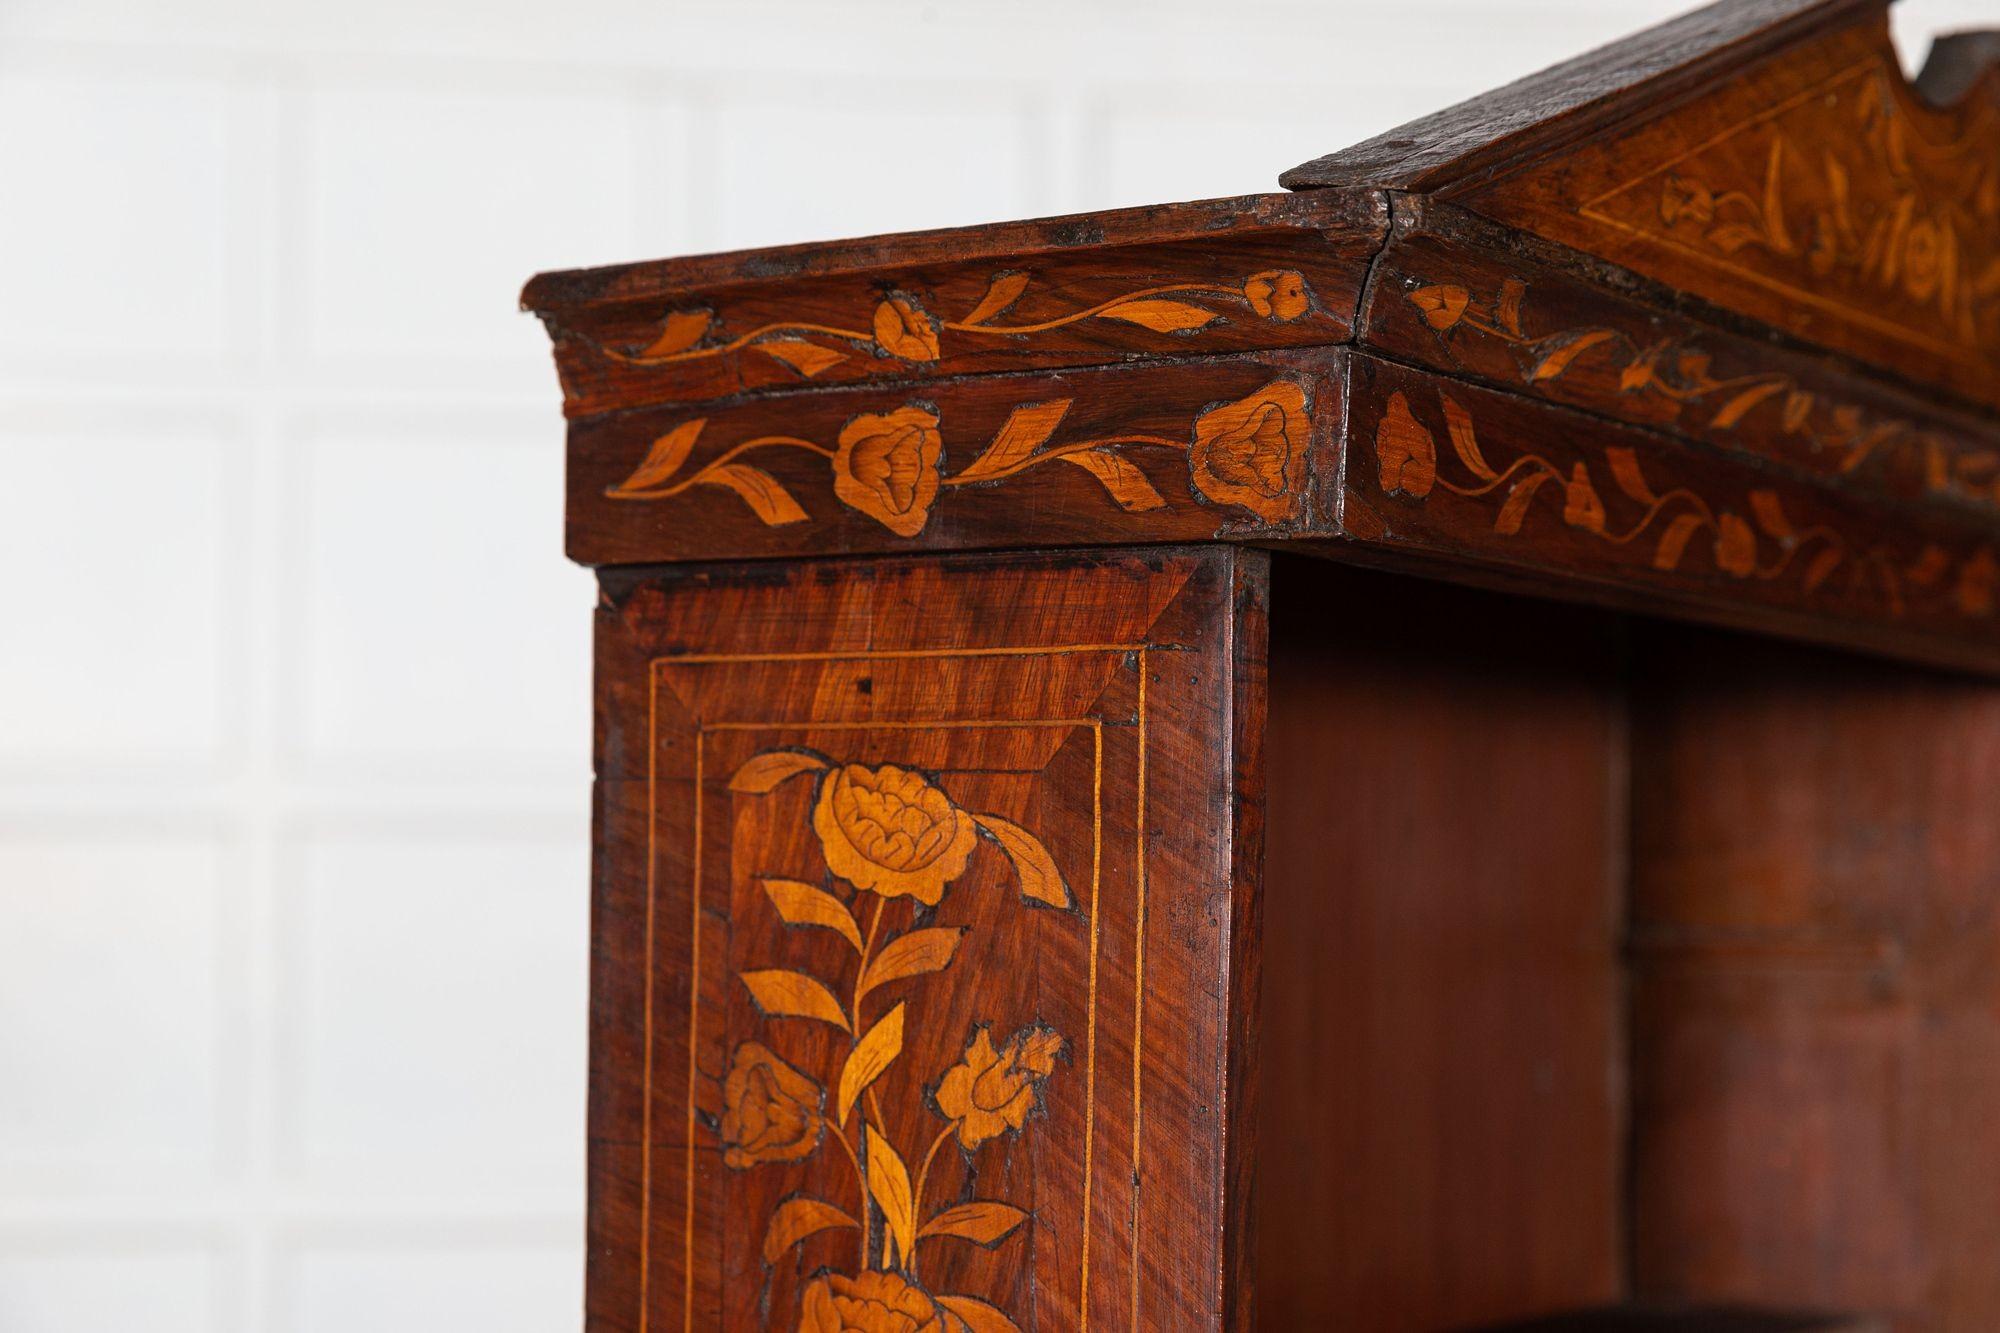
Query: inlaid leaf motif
{"type": "Point", "coordinates": [1024, 431]}
{"type": "Point", "coordinates": [1674, 540]}
{"type": "Point", "coordinates": [1507, 310]}
{"type": "Point", "coordinates": [1774, 204]}
{"type": "Point", "coordinates": [803, 905]}
{"type": "Point", "coordinates": [1004, 291]}
{"type": "Point", "coordinates": [1738, 407]}
{"type": "Point", "coordinates": [1771, 516]}
{"type": "Point", "coordinates": [1735, 545]}
{"type": "Point", "coordinates": [983, 1222]}
{"type": "Point", "coordinates": [1556, 362]}
{"type": "Point", "coordinates": [889, 1186]}
{"type": "Point", "coordinates": [875, 1052]}
{"type": "Point", "coordinates": [1515, 511]}
{"type": "Point", "coordinates": [665, 458]}
{"type": "Point", "coordinates": [1040, 879]}
{"type": "Point", "coordinates": [912, 954]}
{"type": "Point", "coordinates": [765, 771]}
{"type": "Point", "coordinates": [797, 1218]}
{"type": "Point", "coordinates": [1126, 483]}
{"type": "Point", "coordinates": [1821, 569]}
{"type": "Point", "coordinates": [760, 490]}
{"type": "Point", "coordinates": [1458, 423]}
{"type": "Point", "coordinates": [1624, 464]}
{"type": "Point", "coordinates": [979, 1317]}
{"type": "Point", "coordinates": [682, 330]}
{"type": "Point", "coordinates": [784, 994]}
{"type": "Point", "coordinates": [809, 359]}
{"type": "Point", "coordinates": [1163, 316]}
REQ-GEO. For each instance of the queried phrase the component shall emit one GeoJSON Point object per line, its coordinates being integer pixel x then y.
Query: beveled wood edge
{"type": "Point", "coordinates": [1233, 276]}
{"type": "Point", "coordinates": [1542, 112]}
{"type": "Point", "coordinates": [563, 290]}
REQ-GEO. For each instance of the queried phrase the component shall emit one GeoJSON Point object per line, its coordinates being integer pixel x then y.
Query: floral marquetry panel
{"type": "Point", "coordinates": [1233, 446]}
{"type": "Point", "coordinates": [912, 985]}
{"type": "Point", "coordinates": [1190, 279]}
{"type": "Point", "coordinates": [1442, 470]}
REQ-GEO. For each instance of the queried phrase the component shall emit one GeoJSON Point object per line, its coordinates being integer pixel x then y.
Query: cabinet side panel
{"type": "Point", "coordinates": [1441, 1129]}
{"type": "Point", "coordinates": [915, 891]}
{"type": "Point", "coordinates": [1816, 935]}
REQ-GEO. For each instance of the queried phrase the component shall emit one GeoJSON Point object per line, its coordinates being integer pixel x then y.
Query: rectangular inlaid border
{"type": "Point", "coordinates": [702, 729]}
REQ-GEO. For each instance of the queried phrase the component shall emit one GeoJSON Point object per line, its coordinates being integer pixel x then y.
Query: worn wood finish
{"type": "Point", "coordinates": [1462, 474]}
{"type": "Point", "coordinates": [1813, 189]}
{"type": "Point", "coordinates": [1568, 103]}
{"type": "Point", "coordinates": [1441, 1126]}
{"type": "Point", "coordinates": [914, 916]}
{"type": "Point", "coordinates": [1174, 451]}
{"type": "Point", "coordinates": [1226, 276]}
{"type": "Point", "coordinates": [1817, 967]}
{"type": "Point", "coordinates": [1449, 294]}
{"type": "Point", "coordinates": [974, 953]}
{"type": "Point", "coordinates": [1679, 233]}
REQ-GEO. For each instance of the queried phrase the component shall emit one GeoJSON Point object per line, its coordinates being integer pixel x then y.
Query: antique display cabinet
{"type": "Point", "coordinates": [1417, 752]}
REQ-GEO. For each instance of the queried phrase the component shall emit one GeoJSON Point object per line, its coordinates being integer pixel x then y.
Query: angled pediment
{"type": "Point", "coordinates": [1771, 159]}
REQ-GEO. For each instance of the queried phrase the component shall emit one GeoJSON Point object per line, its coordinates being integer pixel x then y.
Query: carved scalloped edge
{"type": "Point", "coordinates": [1962, 68]}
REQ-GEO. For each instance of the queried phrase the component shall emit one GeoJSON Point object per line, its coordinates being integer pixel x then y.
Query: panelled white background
{"type": "Point", "coordinates": [294, 712]}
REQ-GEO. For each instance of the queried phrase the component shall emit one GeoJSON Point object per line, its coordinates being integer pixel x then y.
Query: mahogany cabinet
{"type": "Point", "coordinates": [1417, 753]}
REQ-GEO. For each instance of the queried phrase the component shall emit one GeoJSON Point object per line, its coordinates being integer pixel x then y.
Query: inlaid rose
{"type": "Point", "coordinates": [889, 830]}
{"type": "Point", "coordinates": [991, 1090]}
{"type": "Point", "coordinates": [872, 1302]}
{"type": "Point", "coordinates": [886, 466]}
{"type": "Point", "coordinates": [771, 1112]}
{"type": "Point", "coordinates": [1242, 451]}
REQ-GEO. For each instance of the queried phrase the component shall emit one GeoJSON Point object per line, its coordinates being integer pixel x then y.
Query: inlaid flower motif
{"type": "Point", "coordinates": [1405, 453]}
{"type": "Point", "coordinates": [1279, 294]}
{"type": "Point", "coordinates": [890, 831]}
{"type": "Point", "coordinates": [872, 1302]}
{"type": "Point", "coordinates": [991, 1091]}
{"type": "Point", "coordinates": [1443, 305]}
{"type": "Point", "coordinates": [771, 1112]}
{"type": "Point", "coordinates": [903, 330]}
{"type": "Point", "coordinates": [1581, 506]}
{"type": "Point", "coordinates": [886, 466]}
{"type": "Point", "coordinates": [1735, 545]}
{"type": "Point", "coordinates": [1242, 451]}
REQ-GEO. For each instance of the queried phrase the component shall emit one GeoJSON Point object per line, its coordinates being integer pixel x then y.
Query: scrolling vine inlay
{"type": "Point", "coordinates": [888, 465]}
{"type": "Point", "coordinates": [1679, 371]}
{"type": "Point", "coordinates": [885, 833]}
{"type": "Point", "coordinates": [901, 328]}
{"type": "Point", "coordinates": [1837, 199]}
{"type": "Point", "coordinates": [1766, 545]}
